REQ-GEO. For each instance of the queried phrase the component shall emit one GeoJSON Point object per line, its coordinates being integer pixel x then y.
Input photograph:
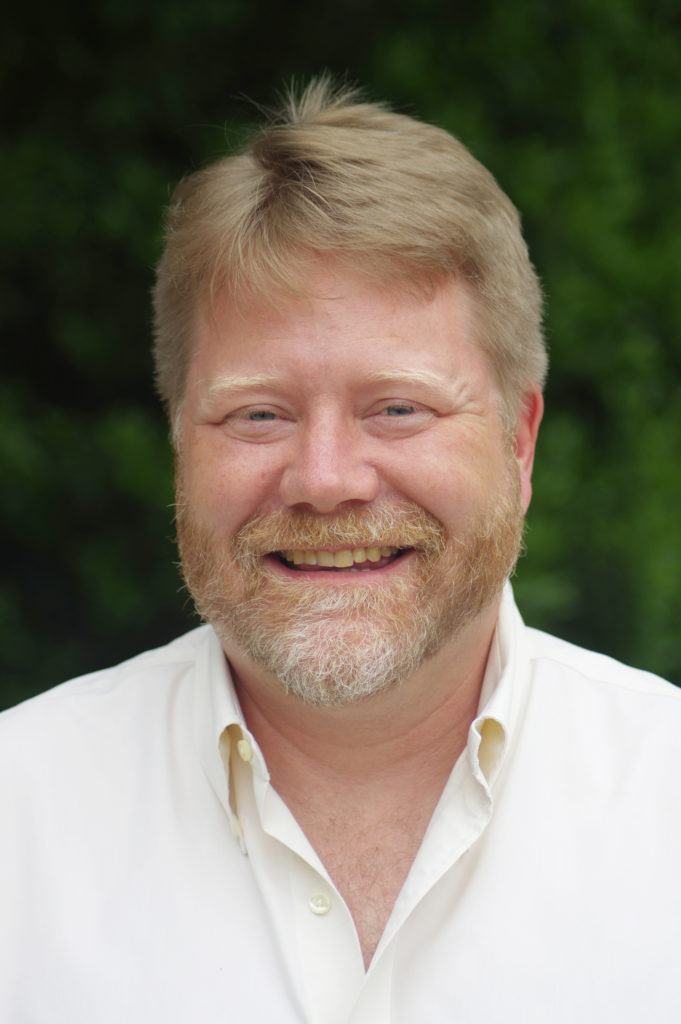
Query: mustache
{"type": "Point", "coordinates": [404, 525]}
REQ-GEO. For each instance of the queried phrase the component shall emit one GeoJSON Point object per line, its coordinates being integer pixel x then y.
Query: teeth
{"type": "Point", "coordinates": [339, 559]}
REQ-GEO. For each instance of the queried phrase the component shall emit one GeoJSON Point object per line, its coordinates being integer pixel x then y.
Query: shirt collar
{"type": "Point", "coordinates": [501, 693]}
{"type": "Point", "coordinates": [219, 722]}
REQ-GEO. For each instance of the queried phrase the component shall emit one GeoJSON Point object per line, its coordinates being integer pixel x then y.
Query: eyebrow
{"type": "Point", "coordinates": [224, 386]}
{"type": "Point", "coordinates": [414, 376]}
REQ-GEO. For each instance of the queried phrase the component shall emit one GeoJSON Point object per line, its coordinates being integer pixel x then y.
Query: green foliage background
{"type": "Point", "coordinates": [575, 107]}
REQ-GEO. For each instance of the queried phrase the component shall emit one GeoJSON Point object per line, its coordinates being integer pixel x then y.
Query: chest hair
{"type": "Point", "coordinates": [368, 864]}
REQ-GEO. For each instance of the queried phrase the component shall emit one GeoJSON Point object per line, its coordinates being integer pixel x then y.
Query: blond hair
{"type": "Point", "coordinates": [400, 200]}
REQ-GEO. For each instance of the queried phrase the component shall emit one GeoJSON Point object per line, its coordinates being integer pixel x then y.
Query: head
{"type": "Point", "coordinates": [385, 241]}
{"type": "Point", "coordinates": [401, 201]}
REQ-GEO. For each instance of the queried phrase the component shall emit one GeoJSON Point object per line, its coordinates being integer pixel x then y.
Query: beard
{"type": "Point", "coordinates": [331, 645]}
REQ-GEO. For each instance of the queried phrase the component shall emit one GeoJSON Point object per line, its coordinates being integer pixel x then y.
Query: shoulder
{"type": "Point", "coordinates": [102, 700]}
{"type": "Point", "coordinates": [552, 657]}
{"type": "Point", "coordinates": [96, 747]}
{"type": "Point", "coordinates": [619, 720]}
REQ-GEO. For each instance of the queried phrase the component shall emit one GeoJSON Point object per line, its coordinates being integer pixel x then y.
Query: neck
{"type": "Point", "coordinates": [363, 779]}
{"type": "Point", "coordinates": [428, 713]}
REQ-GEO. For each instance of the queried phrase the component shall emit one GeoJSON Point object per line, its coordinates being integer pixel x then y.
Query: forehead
{"type": "Point", "coordinates": [335, 307]}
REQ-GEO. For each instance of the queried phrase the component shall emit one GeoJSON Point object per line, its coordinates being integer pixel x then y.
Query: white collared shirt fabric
{"type": "Point", "coordinates": [149, 871]}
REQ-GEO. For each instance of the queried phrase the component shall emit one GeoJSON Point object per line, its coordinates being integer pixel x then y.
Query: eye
{"type": "Point", "coordinates": [260, 415]}
{"type": "Point", "coordinates": [397, 417]}
{"type": "Point", "coordinates": [257, 423]}
{"type": "Point", "coordinates": [400, 409]}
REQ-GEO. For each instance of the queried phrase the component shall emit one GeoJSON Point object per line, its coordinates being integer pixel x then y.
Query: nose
{"type": "Point", "coordinates": [328, 467]}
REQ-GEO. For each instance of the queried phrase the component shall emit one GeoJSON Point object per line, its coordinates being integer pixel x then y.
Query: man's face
{"type": "Point", "coordinates": [348, 500]}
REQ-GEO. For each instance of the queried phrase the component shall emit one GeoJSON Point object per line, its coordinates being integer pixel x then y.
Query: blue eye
{"type": "Point", "coordinates": [399, 410]}
{"type": "Point", "coordinates": [258, 415]}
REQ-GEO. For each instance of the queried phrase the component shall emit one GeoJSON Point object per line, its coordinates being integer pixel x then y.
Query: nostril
{"type": "Point", "coordinates": [326, 487]}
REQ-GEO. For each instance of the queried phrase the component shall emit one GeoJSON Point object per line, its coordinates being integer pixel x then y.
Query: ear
{"type": "Point", "coordinates": [529, 418]}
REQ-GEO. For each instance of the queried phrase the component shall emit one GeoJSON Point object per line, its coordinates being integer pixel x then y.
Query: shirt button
{"type": "Point", "coordinates": [245, 750]}
{"type": "Point", "coordinates": [320, 903]}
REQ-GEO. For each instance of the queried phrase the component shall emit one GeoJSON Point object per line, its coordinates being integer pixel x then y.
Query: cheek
{"type": "Point", "coordinates": [225, 487]}
{"type": "Point", "coordinates": [433, 474]}
{"type": "Point", "coordinates": [452, 483]}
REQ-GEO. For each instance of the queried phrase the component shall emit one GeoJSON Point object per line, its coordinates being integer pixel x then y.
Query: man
{"type": "Point", "coordinates": [365, 792]}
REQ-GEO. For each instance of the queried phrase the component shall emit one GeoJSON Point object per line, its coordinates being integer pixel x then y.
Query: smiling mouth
{"type": "Point", "coordinates": [363, 559]}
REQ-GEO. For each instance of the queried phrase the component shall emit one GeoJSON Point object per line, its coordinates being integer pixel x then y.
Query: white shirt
{"type": "Point", "coordinates": [150, 873]}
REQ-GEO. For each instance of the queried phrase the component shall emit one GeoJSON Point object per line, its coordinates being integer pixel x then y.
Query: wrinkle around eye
{"type": "Point", "coordinates": [400, 418]}
{"type": "Point", "coordinates": [256, 424]}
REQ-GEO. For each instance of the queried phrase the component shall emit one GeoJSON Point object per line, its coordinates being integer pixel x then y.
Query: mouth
{"type": "Point", "coordinates": [361, 559]}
